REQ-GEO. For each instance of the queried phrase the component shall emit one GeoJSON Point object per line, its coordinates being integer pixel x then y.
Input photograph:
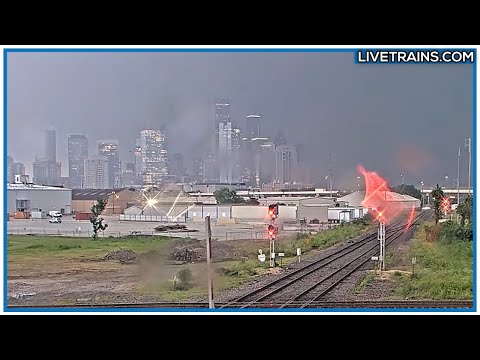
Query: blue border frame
{"type": "Point", "coordinates": [232, 50]}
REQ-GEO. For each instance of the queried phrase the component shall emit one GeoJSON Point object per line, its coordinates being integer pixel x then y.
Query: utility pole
{"type": "Point", "coordinates": [458, 177]}
{"type": "Point", "coordinates": [468, 143]}
{"type": "Point", "coordinates": [381, 238]}
{"type": "Point", "coordinates": [209, 262]}
{"type": "Point", "coordinates": [330, 174]}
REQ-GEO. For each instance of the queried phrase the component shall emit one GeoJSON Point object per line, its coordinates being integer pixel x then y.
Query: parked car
{"type": "Point", "coordinates": [55, 220]}
{"type": "Point", "coordinates": [55, 213]}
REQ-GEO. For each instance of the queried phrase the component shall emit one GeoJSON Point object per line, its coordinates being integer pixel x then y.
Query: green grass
{"type": "Point", "coordinates": [46, 246]}
{"type": "Point", "coordinates": [443, 270]}
{"type": "Point", "coordinates": [363, 283]}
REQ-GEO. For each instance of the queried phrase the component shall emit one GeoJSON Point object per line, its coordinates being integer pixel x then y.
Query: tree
{"type": "Point", "coordinates": [96, 220]}
{"type": "Point", "coordinates": [408, 190]}
{"type": "Point", "coordinates": [465, 210]}
{"type": "Point", "coordinates": [437, 196]}
{"type": "Point", "coordinates": [226, 196]}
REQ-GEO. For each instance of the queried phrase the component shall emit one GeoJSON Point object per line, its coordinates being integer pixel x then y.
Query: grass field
{"type": "Point", "coordinates": [63, 268]}
{"type": "Point", "coordinates": [443, 270]}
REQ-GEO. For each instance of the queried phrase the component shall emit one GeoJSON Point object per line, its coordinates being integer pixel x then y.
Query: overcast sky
{"type": "Point", "coordinates": [395, 119]}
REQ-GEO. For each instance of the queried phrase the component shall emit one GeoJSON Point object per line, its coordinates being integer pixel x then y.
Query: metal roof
{"type": "Point", "coordinates": [94, 194]}
{"type": "Point", "coordinates": [23, 186]}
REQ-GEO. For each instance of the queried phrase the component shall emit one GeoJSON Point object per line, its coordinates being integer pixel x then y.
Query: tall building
{"type": "Point", "coordinates": [198, 169]}
{"type": "Point", "coordinates": [77, 153]}
{"type": "Point", "coordinates": [47, 172]}
{"type": "Point", "coordinates": [138, 157]}
{"type": "Point", "coordinates": [176, 166]}
{"type": "Point", "coordinates": [285, 164]}
{"type": "Point", "coordinates": [154, 156]}
{"type": "Point", "coordinates": [222, 116]}
{"type": "Point", "coordinates": [51, 145]}
{"type": "Point", "coordinates": [10, 174]}
{"type": "Point", "coordinates": [129, 177]}
{"type": "Point", "coordinates": [280, 139]}
{"type": "Point", "coordinates": [225, 152]}
{"type": "Point", "coordinates": [18, 168]}
{"type": "Point", "coordinates": [109, 148]}
{"type": "Point", "coordinates": [96, 172]}
{"type": "Point", "coordinates": [252, 127]}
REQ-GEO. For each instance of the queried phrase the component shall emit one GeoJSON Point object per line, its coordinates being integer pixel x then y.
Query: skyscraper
{"type": "Point", "coordinates": [10, 174]}
{"type": "Point", "coordinates": [225, 152]}
{"type": "Point", "coordinates": [77, 153]}
{"type": "Point", "coordinates": [154, 156]}
{"type": "Point", "coordinates": [96, 172]}
{"type": "Point", "coordinates": [252, 127]}
{"type": "Point", "coordinates": [51, 145]}
{"type": "Point", "coordinates": [285, 164]}
{"type": "Point", "coordinates": [47, 172]}
{"type": "Point", "coordinates": [109, 148]}
{"type": "Point", "coordinates": [138, 157]}
{"type": "Point", "coordinates": [176, 166]}
{"type": "Point", "coordinates": [222, 116]}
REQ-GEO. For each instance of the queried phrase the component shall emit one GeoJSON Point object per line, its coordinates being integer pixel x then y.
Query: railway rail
{"type": "Point", "coordinates": [391, 304]}
{"type": "Point", "coordinates": [306, 285]}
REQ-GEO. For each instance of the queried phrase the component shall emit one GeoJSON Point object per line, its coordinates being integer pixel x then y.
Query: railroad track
{"type": "Point", "coordinates": [306, 285]}
{"type": "Point", "coordinates": [391, 304]}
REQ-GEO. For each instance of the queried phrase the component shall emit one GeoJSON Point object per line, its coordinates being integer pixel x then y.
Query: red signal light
{"type": "Point", "coordinates": [271, 231]}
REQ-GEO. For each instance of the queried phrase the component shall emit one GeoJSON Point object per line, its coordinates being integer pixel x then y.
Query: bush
{"type": "Point", "coordinates": [67, 247]}
{"type": "Point", "coordinates": [183, 280]}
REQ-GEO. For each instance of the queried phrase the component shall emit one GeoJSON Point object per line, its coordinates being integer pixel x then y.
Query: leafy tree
{"type": "Point", "coordinates": [437, 196]}
{"type": "Point", "coordinates": [226, 196]}
{"type": "Point", "coordinates": [408, 190]}
{"type": "Point", "coordinates": [96, 219]}
{"type": "Point", "coordinates": [465, 210]}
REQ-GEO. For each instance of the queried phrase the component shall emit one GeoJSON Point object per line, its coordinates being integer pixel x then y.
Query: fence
{"type": "Point", "coordinates": [152, 218]}
{"type": "Point", "coordinates": [101, 234]}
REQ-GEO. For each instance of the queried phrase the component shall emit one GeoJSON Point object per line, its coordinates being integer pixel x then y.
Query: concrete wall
{"type": "Point", "coordinates": [44, 199]}
{"type": "Point", "coordinates": [313, 212]}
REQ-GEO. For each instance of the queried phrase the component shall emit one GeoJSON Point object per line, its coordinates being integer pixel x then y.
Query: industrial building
{"type": "Point", "coordinates": [28, 197]}
{"type": "Point", "coordinates": [118, 200]}
{"type": "Point", "coordinates": [400, 201]}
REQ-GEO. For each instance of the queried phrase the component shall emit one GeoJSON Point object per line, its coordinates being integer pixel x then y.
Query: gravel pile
{"type": "Point", "coordinates": [122, 256]}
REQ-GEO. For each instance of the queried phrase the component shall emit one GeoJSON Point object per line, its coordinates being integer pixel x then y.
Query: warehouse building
{"type": "Point", "coordinates": [117, 199]}
{"type": "Point", "coordinates": [400, 201]}
{"type": "Point", "coordinates": [29, 197]}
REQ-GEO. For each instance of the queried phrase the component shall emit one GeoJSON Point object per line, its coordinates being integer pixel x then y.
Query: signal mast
{"type": "Point", "coordinates": [272, 231]}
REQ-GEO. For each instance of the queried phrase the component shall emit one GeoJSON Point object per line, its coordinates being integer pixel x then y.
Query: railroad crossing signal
{"type": "Point", "coordinates": [446, 204]}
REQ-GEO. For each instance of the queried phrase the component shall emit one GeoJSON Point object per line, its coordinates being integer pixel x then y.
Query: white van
{"type": "Point", "coordinates": [55, 213]}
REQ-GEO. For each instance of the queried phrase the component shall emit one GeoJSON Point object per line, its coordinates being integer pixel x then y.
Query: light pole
{"type": "Point", "coordinates": [458, 177]}
{"type": "Point", "coordinates": [358, 183]}
{"type": "Point", "coordinates": [401, 175]}
{"type": "Point", "coordinates": [421, 194]}
{"type": "Point", "coordinates": [446, 181]}
{"type": "Point", "coordinates": [468, 143]}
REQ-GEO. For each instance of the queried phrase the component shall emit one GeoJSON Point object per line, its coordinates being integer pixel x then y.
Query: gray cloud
{"type": "Point", "coordinates": [372, 115]}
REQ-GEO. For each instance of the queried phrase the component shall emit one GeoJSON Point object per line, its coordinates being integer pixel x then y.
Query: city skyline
{"type": "Point", "coordinates": [317, 100]}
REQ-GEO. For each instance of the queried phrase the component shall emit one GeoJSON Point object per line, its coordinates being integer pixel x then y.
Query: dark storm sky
{"type": "Point", "coordinates": [395, 119]}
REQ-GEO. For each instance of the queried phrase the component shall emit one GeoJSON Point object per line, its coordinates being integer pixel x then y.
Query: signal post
{"type": "Point", "coordinates": [272, 231]}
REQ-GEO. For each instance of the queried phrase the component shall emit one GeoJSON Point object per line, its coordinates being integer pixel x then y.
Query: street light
{"type": "Point", "coordinates": [401, 175]}
{"type": "Point", "coordinates": [421, 194]}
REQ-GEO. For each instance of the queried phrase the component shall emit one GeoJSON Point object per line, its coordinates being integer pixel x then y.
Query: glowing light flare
{"type": "Point", "coordinates": [152, 202]}
{"type": "Point", "coordinates": [378, 196]}
{"type": "Point", "coordinates": [446, 204]}
{"type": "Point", "coordinates": [410, 219]}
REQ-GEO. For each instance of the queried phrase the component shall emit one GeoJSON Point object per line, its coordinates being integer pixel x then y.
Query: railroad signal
{"type": "Point", "coordinates": [273, 211]}
{"type": "Point", "coordinates": [446, 204]}
{"type": "Point", "coordinates": [272, 232]}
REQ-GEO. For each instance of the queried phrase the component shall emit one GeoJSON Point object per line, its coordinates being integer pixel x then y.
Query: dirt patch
{"type": "Point", "coordinates": [195, 251]}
